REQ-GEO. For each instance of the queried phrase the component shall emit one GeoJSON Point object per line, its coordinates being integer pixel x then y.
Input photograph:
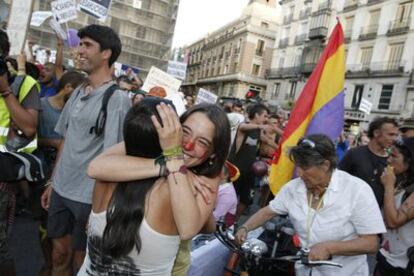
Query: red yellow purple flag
{"type": "Point", "coordinates": [319, 108]}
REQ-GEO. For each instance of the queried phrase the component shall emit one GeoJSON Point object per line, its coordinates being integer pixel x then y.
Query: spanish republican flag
{"type": "Point", "coordinates": [319, 108]}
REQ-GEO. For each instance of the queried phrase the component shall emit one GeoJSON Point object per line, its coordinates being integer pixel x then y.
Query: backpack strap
{"type": "Point", "coordinates": [99, 127]}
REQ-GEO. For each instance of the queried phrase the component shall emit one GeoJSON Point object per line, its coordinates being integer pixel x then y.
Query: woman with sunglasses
{"type": "Point", "coordinates": [398, 181]}
{"type": "Point", "coordinates": [334, 214]}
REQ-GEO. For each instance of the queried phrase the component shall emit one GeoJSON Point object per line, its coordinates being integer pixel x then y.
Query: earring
{"type": "Point", "coordinates": [210, 162]}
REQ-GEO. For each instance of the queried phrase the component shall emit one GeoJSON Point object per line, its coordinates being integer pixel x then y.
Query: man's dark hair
{"type": "Point", "coordinates": [106, 38]}
{"type": "Point", "coordinates": [378, 122]}
{"type": "Point", "coordinates": [4, 43]}
{"type": "Point", "coordinates": [313, 150]}
{"type": "Point", "coordinates": [237, 104]}
{"type": "Point", "coordinates": [257, 109]}
{"type": "Point", "coordinates": [74, 78]}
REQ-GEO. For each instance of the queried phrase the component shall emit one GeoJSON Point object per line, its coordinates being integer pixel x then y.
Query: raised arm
{"type": "Point", "coordinates": [114, 165]}
{"type": "Point", "coordinates": [395, 217]}
{"type": "Point", "coordinates": [59, 58]}
{"type": "Point", "coordinates": [190, 212]}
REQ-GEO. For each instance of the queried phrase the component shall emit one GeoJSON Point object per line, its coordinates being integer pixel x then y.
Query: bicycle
{"type": "Point", "coordinates": [274, 252]}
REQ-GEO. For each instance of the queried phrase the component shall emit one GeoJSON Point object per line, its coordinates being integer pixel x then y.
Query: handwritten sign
{"type": "Point", "coordinates": [38, 17]}
{"type": "Point", "coordinates": [96, 8]}
{"type": "Point", "coordinates": [205, 96]}
{"type": "Point", "coordinates": [157, 77]}
{"type": "Point", "coordinates": [19, 18]}
{"type": "Point", "coordinates": [177, 69]}
{"type": "Point", "coordinates": [64, 10]}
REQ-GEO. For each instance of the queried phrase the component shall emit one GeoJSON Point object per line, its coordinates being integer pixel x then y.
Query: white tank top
{"type": "Point", "coordinates": [398, 240]}
{"type": "Point", "coordinates": [156, 258]}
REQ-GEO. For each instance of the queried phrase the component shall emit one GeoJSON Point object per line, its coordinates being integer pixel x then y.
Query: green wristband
{"type": "Point", "coordinates": [173, 151]}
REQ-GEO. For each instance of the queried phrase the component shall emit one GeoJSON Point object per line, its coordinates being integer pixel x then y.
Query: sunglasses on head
{"type": "Point", "coordinates": [306, 143]}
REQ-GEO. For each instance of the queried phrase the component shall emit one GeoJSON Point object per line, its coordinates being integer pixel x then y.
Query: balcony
{"type": "Point", "coordinates": [308, 67]}
{"type": "Point", "coordinates": [281, 2]}
{"type": "Point", "coordinates": [300, 39]}
{"type": "Point", "coordinates": [368, 32]}
{"type": "Point", "coordinates": [304, 14]}
{"type": "Point", "coordinates": [319, 32]}
{"type": "Point", "coordinates": [358, 70]}
{"type": "Point", "coordinates": [373, 2]}
{"type": "Point", "coordinates": [324, 5]}
{"type": "Point", "coordinates": [284, 42]}
{"type": "Point", "coordinates": [399, 27]}
{"type": "Point", "coordinates": [285, 72]}
{"type": "Point", "coordinates": [287, 19]}
{"type": "Point", "coordinates": [350, 5]}
{"type": "Point", "coordinates": [395, 66]}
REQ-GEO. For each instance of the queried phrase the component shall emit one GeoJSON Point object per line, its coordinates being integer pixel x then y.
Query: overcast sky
{"type": "Point", "coordinates": [198, 17]}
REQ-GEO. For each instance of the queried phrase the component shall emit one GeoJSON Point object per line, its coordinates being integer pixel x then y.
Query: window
{"type": "Point", "coordinates": [385, 98]}
{"type": "Point", "coordinates": [403, 12]}
{"type": "Point", "coordinates": [374, 17]}
{"type": "Point", "coordinates": [260, 47]}
{"type": "Point", "coordinates": [356, 98]}
{"type": "Point", "coordinates": [141, 30]}
{"type": "Point", "coordinates": [366, 56]}
{"type": "Point", "coordinates": [264, 25]}
{"type": "Point", "coordinates": [256, 69]}
{"type": "Point", "coordinates": [276, 90]}
{"type": "Point", "coordinates": [292, 93]}
{"type": "Point", "coordinates": [395, 55]}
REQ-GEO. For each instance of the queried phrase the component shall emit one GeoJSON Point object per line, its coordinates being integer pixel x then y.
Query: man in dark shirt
{"type": "Point", "coordinates": [244, 151]}
{"type": "Point", "coordinates": [368, 162]}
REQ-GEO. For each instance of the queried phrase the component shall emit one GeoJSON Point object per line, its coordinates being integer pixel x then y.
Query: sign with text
{"type": "Point", "coordinates": [18, 23]}
{"type": "Point", "coordinates": [38, 17]}
{"type": "Point", "coordinates": [58, 29]}
{"type": "Point", "coordinates": [157, 77]}
{"type": "Point", "coordinates": [205, 96]}
{"type": "Point", "coordinates": [64, 10]}
{"type": "Point", "coordinates": [177, 69]}
{"type": "Point", "coordinates": [96, 8]}
{"type": "Point", "coordinates": [365, 106]}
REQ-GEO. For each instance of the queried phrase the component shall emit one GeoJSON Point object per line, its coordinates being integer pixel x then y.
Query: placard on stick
{"type": "Point", "coordinates": [18, 23]}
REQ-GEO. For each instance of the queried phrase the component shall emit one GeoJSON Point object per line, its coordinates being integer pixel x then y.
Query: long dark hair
{"type": "Point", "coordinates": [221, 139]}
{"type": "Point", "coordinates": [127, 205]}
{"type": "Point", "coordinates": [406, 178]}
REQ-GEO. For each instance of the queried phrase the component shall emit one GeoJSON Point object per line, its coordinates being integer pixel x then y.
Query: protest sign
{"type": "Point", "coordinates": [178, 102]}
{"type": "Point", "coordinates": [64, 10]}
{"type": "Point", "coordinates": [365, 106]}
{"type": "Point", "coordinates": [157, 77]}
{"type": "Point", "coordinates": [96, 8]}
{"type": "Point", "coordinates": [19, 18]}
{"type": "Point", "coordinates": [38, 17]}
{"type": "Point", "coordinates": [58, 29]}
{"type": "Point", "coordinates": [205, 96]}
{"type": "Point", "coordinates": [177, 69]}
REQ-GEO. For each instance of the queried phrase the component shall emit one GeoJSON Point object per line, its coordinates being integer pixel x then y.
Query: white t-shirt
{"type": "Point", "coordinates": [349, 209]}
{"type": "Point", "coordinates": [397, 241]}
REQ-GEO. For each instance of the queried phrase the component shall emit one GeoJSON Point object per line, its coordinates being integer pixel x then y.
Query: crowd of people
{"type": "Point", "coordinates": [128, 183]}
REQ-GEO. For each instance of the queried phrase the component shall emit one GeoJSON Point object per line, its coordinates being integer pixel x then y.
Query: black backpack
{"type": "Point", "coordinates": [99, 127]}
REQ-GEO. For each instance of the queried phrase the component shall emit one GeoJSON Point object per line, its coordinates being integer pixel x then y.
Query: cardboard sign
{"type": "Point", "coordinates": [96, 8]}
{"type": "Point", "coordinates": [64, 10]}
{"type": "Point", "coordinates": [365, 106]}
{"type": "Point", "coordinates": [38, 17]}
{"type": "Point", "coordinates": [157, 77]}
{"type": "Point", "coordinates": [58, 29]}
{"type": "Point", "coordinates": [18, 23]}
{"type": "Point", "coordinates": [177, 69]}
{"type": "Point", "coordinates": [205, 96]}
